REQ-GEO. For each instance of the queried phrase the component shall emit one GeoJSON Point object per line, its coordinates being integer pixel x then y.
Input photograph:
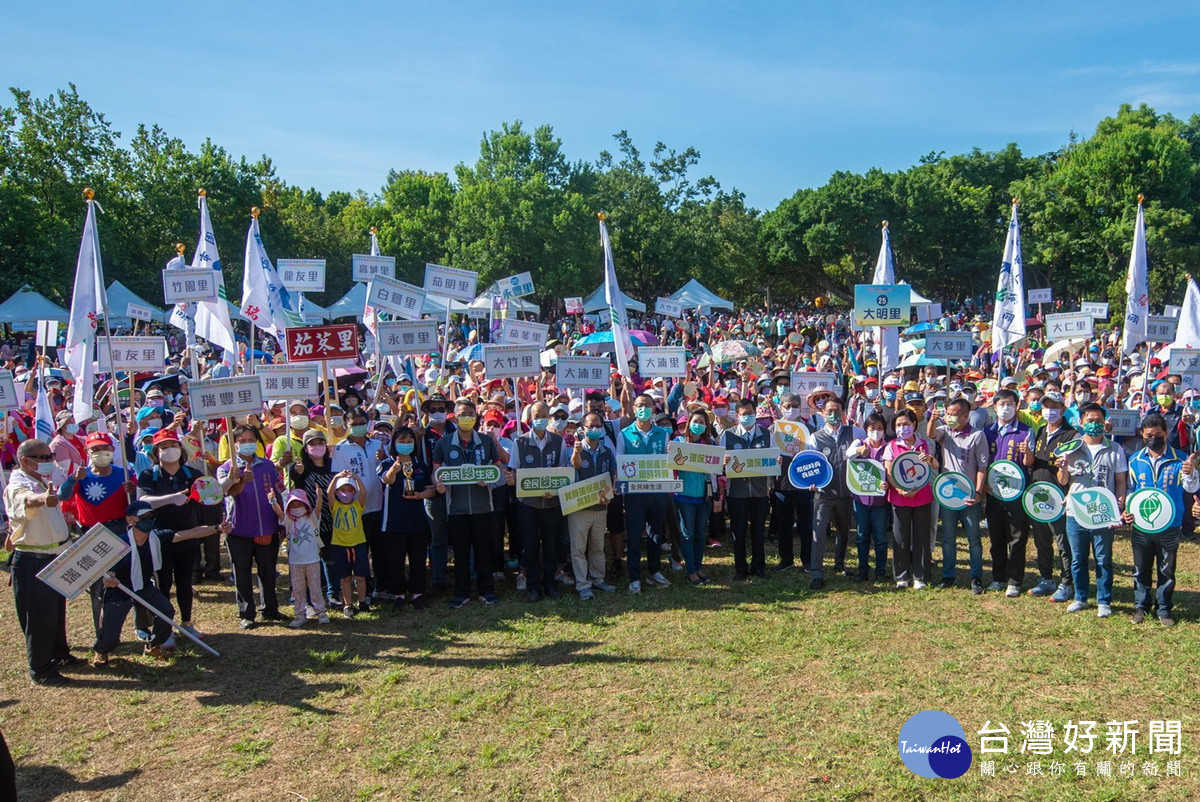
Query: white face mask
{"type": "Point", "coordinates": [875, 435]}
{"type": "Point", "coordinates": [169, 455]}
{"type": "Point", "coordinates": [101, 459]}
{"type": "Point", "coordinates": [1006, 412]}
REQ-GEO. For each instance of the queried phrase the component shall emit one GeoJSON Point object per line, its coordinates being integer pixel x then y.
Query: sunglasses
{"type": "Point", "coordinates": [40, 457]}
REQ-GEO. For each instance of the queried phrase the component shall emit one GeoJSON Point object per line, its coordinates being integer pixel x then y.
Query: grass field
{"type": "Point", "coordinates": [758, 691]}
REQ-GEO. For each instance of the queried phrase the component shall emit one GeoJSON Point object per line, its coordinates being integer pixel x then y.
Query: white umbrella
{"type": "Point", "coordinates": [1063, 348]}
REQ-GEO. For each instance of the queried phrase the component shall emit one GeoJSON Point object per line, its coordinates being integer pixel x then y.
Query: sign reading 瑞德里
{"type": "Point", "coordinates": [82, 563]}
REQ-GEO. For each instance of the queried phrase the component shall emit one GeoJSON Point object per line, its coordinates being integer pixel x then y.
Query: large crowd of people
{"type": "Point", "coordinates": [346, 481]}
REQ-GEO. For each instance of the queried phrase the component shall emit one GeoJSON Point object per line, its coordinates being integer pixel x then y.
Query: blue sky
{"type": "Point", "coordinates": [775, 96]}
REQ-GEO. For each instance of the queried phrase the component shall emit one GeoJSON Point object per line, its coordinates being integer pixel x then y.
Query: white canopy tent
{"type": "Point", "coordinates": [916, 298]}
{"type": "Point", "coordinates": [595, 302]}
{"type": "Point", "coordinates": [694, 294]}
{"type": "Point", "coordinates": [484, 302]}
{"type": "Point", "coordinates": [120, 297]}
{"type": "Point", "coordinates": [26, 307]}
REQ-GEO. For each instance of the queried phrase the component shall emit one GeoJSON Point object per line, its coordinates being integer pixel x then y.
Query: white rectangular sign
{"type": "Point", "coordinates": [397, 297]}
{"type": "Point", "coordinates": [224, 398]}
{"type": "Point", "coordinates": [662, 361]}
{"type": "Point", "coordinates": [138, 312]}
{"type": "Point", "coordinates": [582, 372]}
{"type": "Point", "coordinates": [804, 382]}
{"type": "Point", "coordinates": [949, 345]}
{"type": "Point", "coordinates": [1161, 328]}
{"type": "Point", "coordinates": [1185, 360]}
{"type": "Point", "coordinates": [1172, 311]}
{"type": "Point", "coordinates": [665, 306]}
{"type": "Point", "coordinates": [516, 286]}
{"type": "Point", "coordinates": [1042, 296]}
{"type": "Point", "coordinates": [1124, 422]}
{"type": "Point", "coordinates": [522, 332]}
{"type": "Point", "coordinates": [450, 282]}
{"type": "Point", "coordinates": [302, 275]}
{"type": "Point", "coordinates": [299, 380]}
{"type": "Point", "coordinates": [1069, 326]}
{"type": "Point", "coordinates": [1094, 308]}
{"type": "Point", "coordinates": [574, 305]}
{"type": "Point", "coordinates": [188, 284]}
{"type": "Point", "coordinates": [8, 392]}
{"type": "Point", "coordinates": [84, 561]}
{"type": "Point", "coordinates": [131, 353]}
{"type": "Point", "coordinates": [511, 361]}
{"type": "Point", "coordinates": [365, 267]}
{"type": "Point", "coordinates": [47, 333]}
{"type": "Point", "coordinates": [928, 312]}
{"type": "Point", "coordinates": [404, 337]}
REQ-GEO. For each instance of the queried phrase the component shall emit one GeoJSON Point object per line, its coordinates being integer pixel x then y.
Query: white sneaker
{"type": "Point", "coordinates": [565, 579]}
{"type": "Point", "coordinates": [298, 622]}
{"type": "Point", "coordinates": [902, 585]}
{"type": "Point", "coordinates": [310, 611]}
{"type": "Point", "coordinates": [1103, 610]}
{"type": "Point", "coordinates": [1076, 606]}
{"type": "Point", "coordinates": [918, 585]}
{"type": "Point", "coordinates": [635, 588]}
{"type": "Point", "coordinates": [520, 582]}
{"type": "Point", "coordinates": [995, 586]}
{"type": "Point", "coordinates": [195, 633]}
{"type": "Point", "coordinates": [1013, 591]}
{"type": "Point", "coordinates": [657, 578]}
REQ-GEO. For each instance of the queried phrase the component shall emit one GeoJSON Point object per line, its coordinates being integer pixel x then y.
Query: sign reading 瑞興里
{"type": "Point", "coordinates": [466, 474]}
{"type": "Point", "coordinates": [131, 353]}
{"type": "Point", "coordinates": [882, 304]}
{"type": "Point", "coordinates": [516, 286]}
{"type": "Point", "coordinates": [450, 282]}
{"type": "Point", "coordinates": [138, 312]}
{"type": "Point", "coordinates": [1042, 296]}
{"type": "Point", "coordinates": [534, 482]}
{"type": "Point", "coordinates": [588, 493]}
{"type": "Point", "coordinates": [1069, 326]}
{"type": "Point", "coordinates": [1161, 329]}
{"type": "Point", "coordinates": [582, 372]}
{"type": "Point", "coordinates": [522, 332]}
{"type": "Point", "coordinates": [662, 361]}
{"type": "Point", "coordinates": [321, 343]}
{"type": "Point", "coordinates": [404, 337]}
{"type": "Point", "coordinates": [188, 284]}
{"type": "Point", "coordinates": [665, 306]}
{"type": "Point", "coordinates": [301, 380]}
{"type": "Point", "coordinates": [226, 398]}
{"type": "Point", "coordinates": [696, 458]}
{"type": "Point", "coordinates": [949, 345]}
{"type": "Point", "coordinates": [574, 305]}
{"type": "Point", "coordinates": [302, 275]}
{"type": "Point", "coordinates": [1094, 308]}
{"type": "Point", "coordinates": [366, 267]}
{"type": "Point", "coordinates": [398, 297]}
{"type": "Point", "coordinates": [511, 361]}
{"type": "Point", "coordinates": [84, 562]}
{"type": "Point", "coordinates": [647, 473]}
{"type": "Point", "coordinates": [752, 462]}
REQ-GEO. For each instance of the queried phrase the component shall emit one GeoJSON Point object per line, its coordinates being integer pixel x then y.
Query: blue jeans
{"type": "Point", "coordinates": [693, 530]}
{"type": "Point", "coordinates": [1147, 549]}
{"type": "Point", "coordinates": [1082, 542]}
{"type": "Point", "coordinates": [872, 530]}
{"type": "Point", "coordinates": [968, 516]}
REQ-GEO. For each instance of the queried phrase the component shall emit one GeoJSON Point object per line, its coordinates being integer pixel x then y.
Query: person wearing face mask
{"type": "Point", "coordinates": [433, 411]}
{"type": "Point", "coordinates": [311, 473]}
{"type": "Point", "coordinates": [911, 557]}
{"type": "Point", "coordinates": [1008, 525]}
{"type": "Point", "coordinates": [1172, 413]}
{"type": "Point", "coordinates": [1163, 467]}
{"type": "Point", "coordinates": [361, 454]}
{"type": "Point", "coordinates": [300, 524]}
{"type": "Point", "coordinates": [407, 483]}
{"type": "Point", "coordinates": [538, 518]}
{"type": "Point", "coordinates": [871, 513]}
{"type": "Point", "coordinates": [1050, 539]}
{"type": "Point", "coordinates": [1031, 414]}
{"type": "Point", "coordinates": [965, 450]}
{"type": "Point", "coordinates": [1099, 462]}
{"type": "Point", "coordinates": [67, 445]}
{"type": "Point", "coordinates": [833, 502]}
{"type": "Point", "coordinates": [285, 450]}
{"type": "Point", "coordinates": [694, 504]}
{"type": "Point", "coordinates": [747, 499]}
{"type": "Point", "coordinates": [792, 511]}
{"type": "Point", "coordinates": [38, 533]}
{"type": "Point", "coordinates": [642, 509]}
{"type": "Point", "coordinates": [1083, 397]}
{"type": "Point", "coordinates": [468, 506]}
{"type": "Point", "coordinates": [253, 538]}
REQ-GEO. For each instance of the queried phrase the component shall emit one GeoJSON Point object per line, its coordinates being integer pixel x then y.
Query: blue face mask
{"type": "Point", "coordinates": [404, 449]}
{"type": "Point", "coordinates": [1035, 406]}
{"type": "Point", "coordinates": [541, 423]}
{"type": "Point", "coordinates": [890, 395]}
{"type": "Point", "coordinates": [643, 413]}
{"type": "Point", "coordinates": [746, 420]}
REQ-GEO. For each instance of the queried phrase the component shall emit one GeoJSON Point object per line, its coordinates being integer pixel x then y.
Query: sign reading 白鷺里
{"type": "Point", "coordinates": [398, 297]}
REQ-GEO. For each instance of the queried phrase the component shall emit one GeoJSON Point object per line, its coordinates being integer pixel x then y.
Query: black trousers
{"type": "Point", "coordinates": [748, 518]}
{"type": "Point", "coordinates": [401, 569]}
{"type": "Point", "coordinates": [795, 513]}
{"type": "Point", "coordinates": [41, 613]}
{"type": "Point", "coordinates": [1008, 531]}
{"type": "Point", "coordinates": [209, 563]}
{"type": "Point", "coordinates": [178, 568]}
{"type": "Point", "coordinates": [539, 531]}
{"type": "Point", "coordinates": [469, 534]}
{"type": "Point", "coordinates": [244, 552]}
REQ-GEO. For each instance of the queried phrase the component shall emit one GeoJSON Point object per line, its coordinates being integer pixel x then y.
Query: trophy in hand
{"type": "Point", "coordinates": [409, 488]}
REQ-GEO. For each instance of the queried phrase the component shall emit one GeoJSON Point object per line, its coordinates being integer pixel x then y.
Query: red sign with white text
{"type": "Point", "coordinates": [319, 343]}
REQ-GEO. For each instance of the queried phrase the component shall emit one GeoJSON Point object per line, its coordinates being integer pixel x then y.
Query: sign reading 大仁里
{"type": "Point", "coordinates": [1069, 326]}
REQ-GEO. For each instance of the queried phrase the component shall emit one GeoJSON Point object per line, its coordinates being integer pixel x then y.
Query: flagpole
{"type": "Point", "coordinates": [191, 348]}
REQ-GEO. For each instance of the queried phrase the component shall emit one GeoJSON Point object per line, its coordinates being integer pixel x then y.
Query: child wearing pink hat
{"type": "Point", "coordinates": [302, 521]}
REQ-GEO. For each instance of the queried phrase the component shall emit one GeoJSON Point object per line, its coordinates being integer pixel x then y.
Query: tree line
{"type": "Point", "coordinates": [522, 205]}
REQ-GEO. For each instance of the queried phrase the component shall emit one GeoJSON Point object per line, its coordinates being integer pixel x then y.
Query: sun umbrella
{"type": "Point", "coordinates": [732, 350]}
{"type": "Point", "coordinates": [602, 341]}
{"type": "Point", "coordinates": [919, 328]}
{"type": "Point", "coordinates": [642, 337]}
{"type": "Point", "coordinates": [471, 353]}
{"type": "Point", "coordinates": [1063, 348]}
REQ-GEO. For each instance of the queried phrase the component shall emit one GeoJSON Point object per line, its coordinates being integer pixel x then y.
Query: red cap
{"type": "Point", "coordinates": [98, 439]}
{"type": "Point", "coordinates": [494, 416]}
{"type": "Point", "coordinates": [165, 436]}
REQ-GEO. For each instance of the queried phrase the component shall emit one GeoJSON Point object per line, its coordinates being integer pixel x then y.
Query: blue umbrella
{"type": "Point", "coordinates": [919, 328]}
{"type": "Point", "coordinates": [471, 353]}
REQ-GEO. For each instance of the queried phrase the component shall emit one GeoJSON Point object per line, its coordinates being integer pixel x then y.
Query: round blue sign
{"type": "Point", "coordinates": [810, 469]}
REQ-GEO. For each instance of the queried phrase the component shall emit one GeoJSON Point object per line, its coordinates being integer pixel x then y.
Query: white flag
{"type": "Point", "coordinates": [370, 314]}
{"type": "Point", "coordinates": [886, 337]}
{"type": "Point", "coordinates": [209, 320]}
{"type": "Point", "coordinates": [87, 304]}
{"type": "Point", "coordinates": [1137, 288]}
{"type": "Point", "coordinates": [265, 301]}
{"type": "Point", "coordinates": [1187, 333]}
{"type": "Point", "coordinates": [1008, 316]}
{"type": "Point", "coordinates": [616, 306]}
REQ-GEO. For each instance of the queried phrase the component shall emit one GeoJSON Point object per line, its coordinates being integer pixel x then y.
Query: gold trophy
{"type": "Point", "coordinates": [409, 488]}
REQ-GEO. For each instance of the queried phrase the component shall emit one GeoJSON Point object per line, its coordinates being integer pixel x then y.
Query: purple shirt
{"type": "Point", "coordinates": [249, 511]}
{"type": "Point", "coordinates": [1003, 441]}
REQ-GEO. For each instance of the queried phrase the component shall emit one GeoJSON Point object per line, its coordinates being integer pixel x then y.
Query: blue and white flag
{"type": "Point", "coordinates": [206, 319]}
{"type": "Point", "coordinates": [1137, 288]}
{"type": "Point", "coordinates": [87, 304]}
{"type": "Point", "coordinates": [887, 338]}
{"type": "Point", "coordinates": [265, 301]}
{"type": "Point", "coordinates": [43, 426]}
{"type": "Point", "coordinates": [616, 306]}
{"type": "Point", "coordinates": [1008, 317]}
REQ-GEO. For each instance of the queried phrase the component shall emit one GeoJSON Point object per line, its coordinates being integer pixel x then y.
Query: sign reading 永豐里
{"type": "Point", "coordinates": [516, 286]}
{"type": "Point", "coordinates": [188, 284]}
{"type": "Point", "coordinates": [522, 332]}
{"type": "Point", "coordinates": [84, 562]}
{"type": "Point", "coordinates": [696, 458]}
{"type": "Point", "coordinates": [1069, 326]}
{"type": "Point", "coordinates": [225, 398]}
{"type": "Point", "coordinates": [588, 493]}
{"type": "Point", "coordinates": [582, 372]}
{"type": "Point", "coordinates": [1094, 308]}
{"type": "Point", "coordinates": [302, 275]}
{"type": "Point", "coordinates": [321, 343]}
{"type": "Point", "coordinates": [882, 304]}
{"type": "Point", "coordinates": [574, 306]}
{"type": "Point", "coordinates": [1161, 328]}
{"type": "Point", "coordinates": [949, 345]}
{"type": "Point", "coordinates": [1042, 296]}
{"type": "Point", "coordinates": [450, 282]}
{"type": "Point", "coordinates": [534, 482]}
{"type": "Point", "coordinates": [511, 361]}
{"type": "Point", "coordinates": [398, 297]}
{"type": "Point", "coordinates": [404, 337]}
{"type": "Point", "coordinates": [131, 353]}
{"type": "Point", "coordinates": [287, 381]}
{"type": "Point", "coordinates": [138, 312]}
{"type": "Point", "coordinates": [805, 382]}
{"type": "Point", "coordinates": [366, 267]}
{"type": "Point", "coordinates": [665, 306]}
{"type": "Point", "coordinates": [466, 474]}
{"type": "Point", "coordinates": [662, 361]}
{"type": "Point", "coordinates": [752, 462]}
